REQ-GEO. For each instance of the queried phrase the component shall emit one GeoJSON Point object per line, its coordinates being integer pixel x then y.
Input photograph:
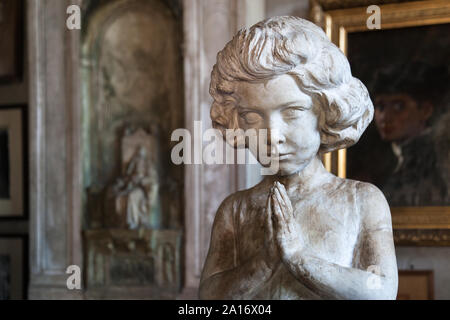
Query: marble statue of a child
{"type": "Point", "coordinates": [302, 233]}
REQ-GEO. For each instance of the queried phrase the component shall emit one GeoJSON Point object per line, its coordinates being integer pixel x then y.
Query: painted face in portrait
{"type": "Point", "coordinates": [399, 116]}
{"type": "Point", "coordinates": [290, 117]}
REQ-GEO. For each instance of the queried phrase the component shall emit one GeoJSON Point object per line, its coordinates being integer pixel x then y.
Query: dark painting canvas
{"type": "Point", "coordinates": [10, 32]}
{"type": "Point", "coordinates": [4, 165]}
{"type": "Point", "coordinates": [5, 263]}
{"type": "Point", "coordinates": [406, 149]}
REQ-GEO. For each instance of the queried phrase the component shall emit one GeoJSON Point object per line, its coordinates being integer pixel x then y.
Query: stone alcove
{"type": "Point", "coordinates": [132, 91]}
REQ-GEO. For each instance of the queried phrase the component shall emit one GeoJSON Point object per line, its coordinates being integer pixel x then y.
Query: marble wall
{"type": "Point", "coordinates": [299, 8]}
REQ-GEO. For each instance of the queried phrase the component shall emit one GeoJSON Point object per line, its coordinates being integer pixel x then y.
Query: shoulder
{"type": "Point", "coordinates": [235, 200]}
{"type": "Point", "coordinates": [241, 202]}
{"type": "Point", "coordinates": [227, 209]}
{"type": "Point", "coordinates": [373, 206]}
{"type": "Point", "coordinates": [227, 206]}
{"type": "Point", "coordinates": [368, 192]}
{"type": "Point", "coordinates": [228, 202]}
{"type": "Point", "coordinates": [253, 197]}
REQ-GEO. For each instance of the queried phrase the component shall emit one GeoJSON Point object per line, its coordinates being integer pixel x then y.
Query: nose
{"type": "Point", "coordinates": [380, 115]}
{"type": "Point", "coordinates": [276, 135]}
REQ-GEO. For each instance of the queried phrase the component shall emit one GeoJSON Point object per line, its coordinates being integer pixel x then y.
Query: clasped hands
{"type": "Point", "coordinates": [282, 231]}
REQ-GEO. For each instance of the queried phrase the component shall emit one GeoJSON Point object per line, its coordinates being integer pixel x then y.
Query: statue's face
{"type": "Point", "coordinates": [290, 117]}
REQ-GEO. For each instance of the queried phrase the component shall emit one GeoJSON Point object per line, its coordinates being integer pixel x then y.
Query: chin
{"type": "Point", "coordinates": [388, 137]}
{"type": "Point", "coordinates": [289, 169]}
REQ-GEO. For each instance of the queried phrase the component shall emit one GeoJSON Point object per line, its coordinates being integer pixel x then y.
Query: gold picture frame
{"type": "Point", "coordinates": [429, 226]}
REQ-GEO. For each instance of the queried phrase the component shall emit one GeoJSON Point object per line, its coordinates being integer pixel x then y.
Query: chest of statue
{"type": "Point", "coordinates": [329, 229]}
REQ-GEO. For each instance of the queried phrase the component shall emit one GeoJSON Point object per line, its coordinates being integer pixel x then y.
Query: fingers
{"type": "Point", "coordinates": [269, 225]}
{"type": "Point", "coordinates": [280, 204]}
{"type": "Point", "coordinates": [286, 229]}
{"type": "Point", "coordinates": [284, 196]}
{"type": "Point", "coordinates": [269, 204]}
{"type": "Point", "coordinates": [285, 204]}
{"type": "Point", "coordinates": [274, 211]}
{"type": "Point", "coordinates": [270, 240]}
{"type": "Point", "coordinates": [278, 216]}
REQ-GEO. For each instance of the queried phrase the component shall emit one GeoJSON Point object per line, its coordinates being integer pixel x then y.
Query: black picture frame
{"type": "Point", "coordinates": [15, 249]}
{"type": "Point", "coordinates": [24, 214]}
{"type": "Point", "coordinates": [11, 40]}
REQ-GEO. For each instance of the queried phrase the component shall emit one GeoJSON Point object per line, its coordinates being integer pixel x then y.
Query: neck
{"type": "Point", "coordinates": [313, 175]}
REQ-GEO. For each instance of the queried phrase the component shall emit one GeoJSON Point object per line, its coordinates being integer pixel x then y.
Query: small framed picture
{"type": "Point", "coordinates": [415, 285]}
{"type": "Point", "coordinates": [12, 268]}
{"type": "Point", "coordinates": [10, 39]}
{"type": "Point", "coordinates": [11, 163]}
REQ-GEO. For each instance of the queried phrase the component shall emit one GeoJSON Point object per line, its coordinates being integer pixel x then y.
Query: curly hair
{"type": "Point", "coordinates": [294, 46]}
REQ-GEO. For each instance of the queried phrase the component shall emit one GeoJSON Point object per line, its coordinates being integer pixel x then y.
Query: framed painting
{"type": "Point", "coordinates": [10, 39]}
{"type": "Point", "coordinates": [11, 163]}
{"type": "Point", "coordinates": [415, 285]}
{"type": "Point", "coordinates": [405, 152]}
{"type": "Point", "coordinates": [12, 268]}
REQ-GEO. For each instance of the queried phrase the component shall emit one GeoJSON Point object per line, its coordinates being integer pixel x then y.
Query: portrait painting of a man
{"type": "Point", "coordinates": [407, 151]}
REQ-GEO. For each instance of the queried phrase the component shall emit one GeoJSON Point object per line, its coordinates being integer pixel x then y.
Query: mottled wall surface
{"type": "Point", "coordinates": [298, 8]}
{"type": "Point", "coordinates": [428, 258]}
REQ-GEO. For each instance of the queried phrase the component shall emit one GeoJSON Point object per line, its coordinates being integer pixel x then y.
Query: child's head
{"type": "Point", "coordinates": [278, 73]}
{"type": "Point", "coordinates": [296, 47]}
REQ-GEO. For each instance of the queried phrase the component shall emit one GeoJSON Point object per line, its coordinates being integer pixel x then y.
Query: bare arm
{"type": "Point", "coordinates": [242, 282]}
{"type": "Point", "coordinates": [374, 253]}
{"type": "Point", "coordinates": [223, 276]}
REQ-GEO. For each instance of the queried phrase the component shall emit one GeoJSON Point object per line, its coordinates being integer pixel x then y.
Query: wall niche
{"type": "Point", "coordinates": [132, 91]}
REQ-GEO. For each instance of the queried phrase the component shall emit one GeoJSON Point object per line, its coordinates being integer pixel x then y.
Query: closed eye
{"type": "Point", "coordinates": [292, 112]}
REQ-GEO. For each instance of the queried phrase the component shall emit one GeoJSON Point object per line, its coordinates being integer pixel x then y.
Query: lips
{"type": "Point", "coordinates": [387, 129]}
{"type": "Point", "coordinates": [283, 156]}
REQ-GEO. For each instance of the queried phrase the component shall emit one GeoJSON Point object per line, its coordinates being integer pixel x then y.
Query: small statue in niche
{"type": "Point", "coordinates": [140, 185]}
{"type": "Point", "coordinates": [302, 233]}
{"type": "Point", "coordinates": [136, 192]}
